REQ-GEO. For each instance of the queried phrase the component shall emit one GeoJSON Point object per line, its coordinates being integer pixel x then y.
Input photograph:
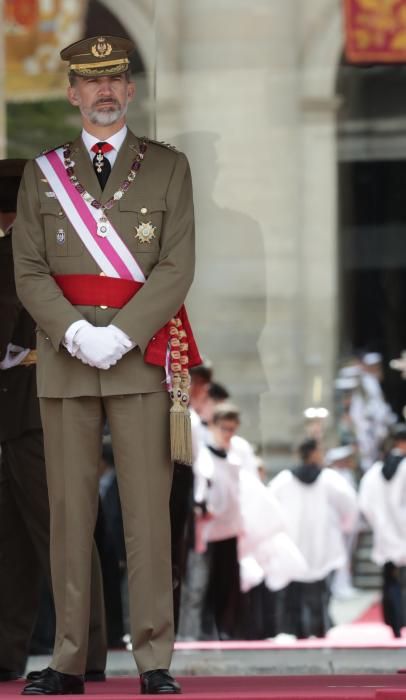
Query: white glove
{"type": "Point", "coordinates": [100, 347]}
{"type": "Point", "coordinates": [123, 338]}
{"type": "Point", "coordinates": [14, 355]}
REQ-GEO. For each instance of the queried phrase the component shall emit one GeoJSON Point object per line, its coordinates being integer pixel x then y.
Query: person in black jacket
{"type": "Point", "coordinates": [24, 508]}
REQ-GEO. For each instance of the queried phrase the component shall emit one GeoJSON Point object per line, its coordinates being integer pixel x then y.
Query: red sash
{"type": "Point", "coordinates": [112, 292]}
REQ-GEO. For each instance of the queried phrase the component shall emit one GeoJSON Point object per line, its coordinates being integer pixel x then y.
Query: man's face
{"type": "Point", "coordinates": [102, 101]}
{"type": "Point", "coordinates": [318, 456]}
{"type": "Point", "coordinates": [223, 431]}
{"type": "Point", "coordinates": [400, 445]}
{"type": "Point", "coordinates": [376, 370]}
{"type": "Point", "coordinates": [198, 395]}
{"type": "Point", "coordinates": [207, 409]}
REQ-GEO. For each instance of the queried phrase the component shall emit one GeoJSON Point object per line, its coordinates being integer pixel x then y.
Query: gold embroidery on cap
{"type": "Point", "coordinates": [101, 48]}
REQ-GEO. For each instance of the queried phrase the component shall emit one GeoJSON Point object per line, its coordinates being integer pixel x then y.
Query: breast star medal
{"type": "Point", "coordinates": [145, 232]}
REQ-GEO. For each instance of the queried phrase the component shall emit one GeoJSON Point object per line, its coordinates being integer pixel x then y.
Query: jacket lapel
{"type": "Point", "coordinates": [84, 169]}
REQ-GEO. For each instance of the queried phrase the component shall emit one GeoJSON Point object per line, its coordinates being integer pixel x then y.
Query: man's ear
{"type": "Point", "coordinates": [131, 89]}
{"type": "Point", "coordinates": [72, 96]}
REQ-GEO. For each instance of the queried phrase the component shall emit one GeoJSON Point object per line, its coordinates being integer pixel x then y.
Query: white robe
{"type": "Point", "coordinates": [242, 506]}
{"type": "Point", "coordinates": [242, 453]}
{"type": "Point", "coordinates": [266, 552]}
{"type": "Point", "coordinates": [316, 516]}
{"type": "Point", "coordinates": [198, 433]}
{"type": "Point", "coordinates": [384, 505]}
{"type": "Point", "coordinates": [217, 483]}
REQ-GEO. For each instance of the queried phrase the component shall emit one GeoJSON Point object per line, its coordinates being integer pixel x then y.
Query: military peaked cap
{"type": "Point", "coordinates": [98, 56]}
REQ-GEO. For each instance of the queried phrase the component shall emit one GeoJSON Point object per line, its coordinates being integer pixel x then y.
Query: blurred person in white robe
{"type": "Point", "coordinates": [382, 500]}
{"type": "Point", "coordinates": [342, 459]}
{"type": "Point", "coordinates": [201, 380]}
{"type": "Point", "coordinates": [189, 568]}
{"type": "Point", "coordinates": [376, 412]}
{"type": "Point", "coordinates": [235, 504]}
{"type": "Point", "coordinates": [319, 506]}
{"type": "Point", "coordinates": [219, 524]}
{"type": "Point", "coordinates": [354, 424]}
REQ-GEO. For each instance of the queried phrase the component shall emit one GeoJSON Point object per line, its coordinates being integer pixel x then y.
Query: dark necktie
{"type": "Point", "coordinates": [101, 164]}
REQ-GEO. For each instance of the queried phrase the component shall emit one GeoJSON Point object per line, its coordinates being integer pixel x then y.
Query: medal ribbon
{"type": "Point", "coordinates": [111, 254]}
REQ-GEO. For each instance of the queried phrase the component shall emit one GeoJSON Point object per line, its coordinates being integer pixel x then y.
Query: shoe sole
{"type": "Point", "coordinates": [41, 692]}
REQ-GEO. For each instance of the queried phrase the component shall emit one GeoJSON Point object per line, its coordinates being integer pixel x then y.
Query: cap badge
{"type": "Point", "coordinates": [145, 232]}
{"type": "Point", "coordinates": [101, 48]}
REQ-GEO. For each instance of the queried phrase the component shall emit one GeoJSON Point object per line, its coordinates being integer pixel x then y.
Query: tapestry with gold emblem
{"type": "Point", "coordinates": [35, 31]}
{"type": "Point", "coordinates": [375, 31]}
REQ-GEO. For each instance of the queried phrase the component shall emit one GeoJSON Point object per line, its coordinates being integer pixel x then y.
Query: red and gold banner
{"type": "Point", "coordinates": [375, 31]}
{"type": "Point", "coordinates": [34, 33]}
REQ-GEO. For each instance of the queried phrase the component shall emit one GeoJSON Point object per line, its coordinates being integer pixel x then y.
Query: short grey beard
{"type": "Point", "coordinates": [105, 118]}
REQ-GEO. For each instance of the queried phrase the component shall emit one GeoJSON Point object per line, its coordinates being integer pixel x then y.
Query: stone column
{"type": "Point", "coordinates": [258, 306]}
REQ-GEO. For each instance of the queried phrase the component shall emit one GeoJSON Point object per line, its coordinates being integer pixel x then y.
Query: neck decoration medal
{"type": "Point", "coordinates": [103, 225]}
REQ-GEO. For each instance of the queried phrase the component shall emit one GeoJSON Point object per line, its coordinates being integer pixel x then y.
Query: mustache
{"type": "Point", "coordinates": [107, 101]}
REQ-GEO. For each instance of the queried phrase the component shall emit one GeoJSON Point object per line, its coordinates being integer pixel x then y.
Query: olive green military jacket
{"type": "Point", "coordinates": [46, 244]}
{"type": "Point", "coordinates": [19, 407]}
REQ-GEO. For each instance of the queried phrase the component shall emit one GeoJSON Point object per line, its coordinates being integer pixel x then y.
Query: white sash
{"type": "Point", "coordinates": [110, 253]}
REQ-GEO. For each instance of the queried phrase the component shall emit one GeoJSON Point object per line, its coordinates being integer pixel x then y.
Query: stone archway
{"type": "Point", "coordinates": [138, 20]}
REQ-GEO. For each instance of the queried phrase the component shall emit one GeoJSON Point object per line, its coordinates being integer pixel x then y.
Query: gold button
{"type": "Point", "coordinates": [60, 213]}
{"type": "Point", "coordinates": [144, 210]}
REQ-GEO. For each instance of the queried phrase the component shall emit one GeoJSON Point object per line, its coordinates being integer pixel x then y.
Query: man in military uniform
{"type": "Point", "coordinates": [24, 509]}
{"type": "Point", "coordinates": [104, 257]}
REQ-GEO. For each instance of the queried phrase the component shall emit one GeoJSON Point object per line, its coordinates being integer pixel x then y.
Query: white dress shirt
{"type": "Point", "coordinates": [116, 140]}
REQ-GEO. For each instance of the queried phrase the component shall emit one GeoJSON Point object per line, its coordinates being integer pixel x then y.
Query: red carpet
{"type": "Point", "coordinates": [372, 614]}
{"type": "Point", "coordinates": [359, 687]}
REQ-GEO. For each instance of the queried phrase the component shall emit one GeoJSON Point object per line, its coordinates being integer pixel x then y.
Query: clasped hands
{"type": "Point", "coordinates": [100, 346]}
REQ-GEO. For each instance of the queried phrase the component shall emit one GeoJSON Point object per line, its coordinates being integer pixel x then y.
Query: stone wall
{"type": "Point", "coordinates": [246, 88]}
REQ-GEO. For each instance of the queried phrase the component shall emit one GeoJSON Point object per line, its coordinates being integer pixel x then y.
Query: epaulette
{"type": "Point", "coordinates": [163, 144]}
{"type": "Point", "coordinates": [54, 148]}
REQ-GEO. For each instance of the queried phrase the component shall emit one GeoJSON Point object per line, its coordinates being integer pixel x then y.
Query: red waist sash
{"type": "Point", "coordinates": [103, 291]}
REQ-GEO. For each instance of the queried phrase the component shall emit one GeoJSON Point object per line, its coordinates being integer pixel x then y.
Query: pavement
{"type": "Point", "coordinates": [261, 662]}
{"type": "Point", "coordinates": [282, 656]}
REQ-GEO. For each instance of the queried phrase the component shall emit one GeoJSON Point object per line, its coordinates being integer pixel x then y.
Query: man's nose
{"type": "Point", "coordinates": [105, 87]}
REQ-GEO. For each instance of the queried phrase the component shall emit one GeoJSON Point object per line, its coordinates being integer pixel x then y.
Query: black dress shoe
{"type": "Point", "coordinates": [50, 682]}
{"type": "Point", "coordinates": [6, 675]}
{"type": "Point", "coordinates": [90, 676]}
{"type": "Point", "coordinates": [158, 682]}
{"type": "Point", "coordinates": [95, 676]}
